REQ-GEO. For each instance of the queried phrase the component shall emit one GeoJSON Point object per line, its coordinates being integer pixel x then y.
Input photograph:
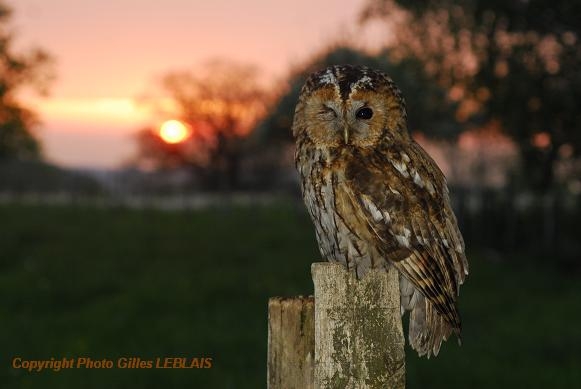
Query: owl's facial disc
{"type": "Point", "coordinates": [357, 121]}
{"type": "Point", "coordinates": [350, 106]}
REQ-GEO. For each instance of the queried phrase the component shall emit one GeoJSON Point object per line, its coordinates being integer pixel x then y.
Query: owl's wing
{"type": "Point", "coordinates": [402, 198]}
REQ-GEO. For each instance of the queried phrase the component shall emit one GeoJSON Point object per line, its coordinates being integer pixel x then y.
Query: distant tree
{"type": "Point", "coordinates": [17, 70]}
{"type": "Point", "coordinates": [514, 61]}
{"type": "Point", "coordinates": [221, 104]}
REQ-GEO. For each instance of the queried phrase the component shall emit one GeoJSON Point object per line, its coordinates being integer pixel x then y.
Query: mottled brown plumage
{"type": "Point", "coordinates": [376, 197]}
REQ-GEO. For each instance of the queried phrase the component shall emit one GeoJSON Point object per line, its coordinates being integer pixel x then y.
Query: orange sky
{"type": "Point", "coordinates": [110, 52]}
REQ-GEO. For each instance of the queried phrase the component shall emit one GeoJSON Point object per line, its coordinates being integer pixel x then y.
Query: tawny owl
{"type": "Point", "coordinates": [376, 197]}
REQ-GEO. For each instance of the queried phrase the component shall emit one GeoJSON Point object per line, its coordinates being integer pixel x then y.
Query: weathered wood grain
{"type": "Point", "coordinates": [291, 343]}
{"type": "Point", "coordinates": [359, 339]}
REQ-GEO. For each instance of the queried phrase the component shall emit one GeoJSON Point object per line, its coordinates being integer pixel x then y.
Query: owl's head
{"type": "Point", "coordinates": [350, 106]}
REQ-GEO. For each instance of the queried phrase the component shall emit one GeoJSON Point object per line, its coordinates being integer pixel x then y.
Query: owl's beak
{"type": "Point", "coordinates": [346, 134]}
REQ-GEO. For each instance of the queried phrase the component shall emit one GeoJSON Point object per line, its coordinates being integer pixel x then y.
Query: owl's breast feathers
{"type": "Point", "coordinates": [393, 204]}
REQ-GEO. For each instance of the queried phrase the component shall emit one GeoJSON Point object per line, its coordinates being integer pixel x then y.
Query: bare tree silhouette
{"type": "Point", "coordinates": [221, 104]}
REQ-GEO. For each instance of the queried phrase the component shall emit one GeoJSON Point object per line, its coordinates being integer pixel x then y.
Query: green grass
{"type": "Point", "coordinates": [107, 283]}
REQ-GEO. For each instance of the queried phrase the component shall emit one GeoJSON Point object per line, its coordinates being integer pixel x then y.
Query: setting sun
{"type": "Point", "coordinates": [173, 131]}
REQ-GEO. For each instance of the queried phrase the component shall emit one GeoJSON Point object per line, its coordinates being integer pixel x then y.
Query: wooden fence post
{"type": "Point", "coordinates": [359, 339]}
{"type": "Point", "coordinates": [349, 336]}
{"type": "Point", "coordinates": [291, 343]}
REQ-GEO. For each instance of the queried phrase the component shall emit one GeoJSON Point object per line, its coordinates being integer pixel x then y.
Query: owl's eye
{"type": "Point", "coordinates": [364, 113]}
{"type": "Point", "coordinates": [327, 112]}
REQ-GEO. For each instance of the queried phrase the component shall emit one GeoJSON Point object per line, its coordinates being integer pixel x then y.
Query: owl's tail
{"type": "Point", "coordinates": [427, 328]}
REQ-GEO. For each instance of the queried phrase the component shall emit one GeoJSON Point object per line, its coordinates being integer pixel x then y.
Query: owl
{"type": "Point", "coordinates": [376, 197]}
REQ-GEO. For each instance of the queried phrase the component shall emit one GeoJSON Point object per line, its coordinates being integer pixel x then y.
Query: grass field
{"type": "Point", "coordinates": [107, 283]}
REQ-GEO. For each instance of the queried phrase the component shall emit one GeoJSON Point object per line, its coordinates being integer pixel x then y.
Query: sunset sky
{"type": "Point", "coordinates": [108, 53]}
